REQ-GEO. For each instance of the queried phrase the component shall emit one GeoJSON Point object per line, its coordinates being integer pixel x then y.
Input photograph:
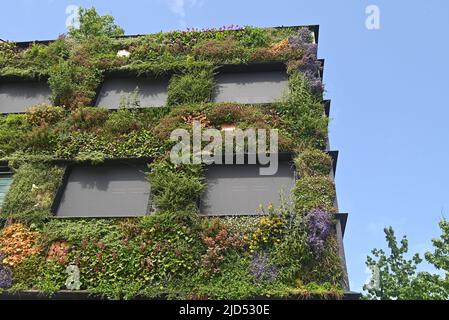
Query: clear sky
{"type": "Point", "coordinates": [388, 89]}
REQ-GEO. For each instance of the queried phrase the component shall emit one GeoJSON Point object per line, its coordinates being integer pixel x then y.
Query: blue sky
{"type": "Point", "coordinates": [389, 110]}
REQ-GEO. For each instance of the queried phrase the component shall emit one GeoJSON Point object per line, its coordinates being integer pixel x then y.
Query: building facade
{"type": "Point", "coordinates": [87, 184]}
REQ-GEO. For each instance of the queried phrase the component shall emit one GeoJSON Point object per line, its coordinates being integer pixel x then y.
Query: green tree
{"type": "Point", "coordinates": [394, 275]}
{"type": "Point", "coordinates": [93, 25]}
{"type": "Point", "coordinates": [437, 287]}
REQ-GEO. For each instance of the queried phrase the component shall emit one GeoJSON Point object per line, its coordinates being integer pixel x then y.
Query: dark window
{"type": "Point", "coordinates": [250, 87]}
{"type": "Point", "coordinates": [5, 183]}
{"type": "Point", "coordinates": [105, 191]}
{"type": "Point", "coordinates": [152, 92]}
{"type": "Point", "coordinates": [17, 96]}
{"type": "Point", "coordinates": [240, 190]}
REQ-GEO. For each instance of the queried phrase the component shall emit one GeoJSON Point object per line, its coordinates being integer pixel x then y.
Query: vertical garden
{"type": "Point", "coordinates": [174, 252]}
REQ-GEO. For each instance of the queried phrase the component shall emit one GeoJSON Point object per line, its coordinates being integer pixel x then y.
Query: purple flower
{"type": "Point", "coordinates": [310, 66]}
{"type": "Point", "coordinates": [232, 27]}
{"type": "Point", "coordinates": [261, 269]}
{"type": "Point", "coordinates": [5, 276]}
{"type": "Point", "coordinates": [303, 40]}
{"type": "Point", "coordinates": [319, 226]}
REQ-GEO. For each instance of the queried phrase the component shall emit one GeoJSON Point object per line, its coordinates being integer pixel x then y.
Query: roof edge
{"type": "Point", "coordinates": [24, 44]}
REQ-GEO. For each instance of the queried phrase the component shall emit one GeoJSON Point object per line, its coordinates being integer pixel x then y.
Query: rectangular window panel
{"type": "Point", "coordinates": [17, 96]}
{"type": "Point", "coordinates": [250, 87]}
{"type": "Point", "coordinates": [240, 190]}
{"type": "Point", "coordinates": [105, 191]}
{"type": "Point", "coordinates": [152, 92]}
{"type": "Point", "coordinates": [5, 183]}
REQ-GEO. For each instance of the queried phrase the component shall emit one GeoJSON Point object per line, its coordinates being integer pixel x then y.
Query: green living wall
{"type": "Point", "coordinates": [172, 253]}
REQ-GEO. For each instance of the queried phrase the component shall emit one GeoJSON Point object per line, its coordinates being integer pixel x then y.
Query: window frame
{"type": "Point", "coordinates": [70, 165]}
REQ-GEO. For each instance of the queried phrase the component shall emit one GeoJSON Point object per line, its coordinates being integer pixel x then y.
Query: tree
{"type": "Point", "coordinates": [439, 258]}
{"type": "Point", "coordinates": [93, 25]}
{"type": "Point", "coordinates": [394, 275]}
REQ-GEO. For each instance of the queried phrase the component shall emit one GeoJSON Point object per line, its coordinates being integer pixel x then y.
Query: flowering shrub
{"type": "Point", "coordinates": [319, 227]}
{"type": "Point", "coordinates": [308, 65]}
{"type": "Point", "coordinates": [5, 275]}
{"type": "Point", "coordinates": [261, 269]}
{"type": "Point", "coordinates": [17, 242]}
{"type": "Point", "coordinates": [268, 231]}
{"type": "Point", "coordinates": [303, 40]}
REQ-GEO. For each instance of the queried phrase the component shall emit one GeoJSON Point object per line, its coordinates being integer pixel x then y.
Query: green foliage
{"type": "Point", "coordinates": [302, 114]}
{"type": "Point", "coordinates": [314, 192]}
{"type": "Point", "coordinates": [122, 122]}
{"type": "Point", "coordinates": [62, 82]}
{"type": "Point", "coordinates": [326, 268]}
{"type": "Point", "coordinates": [88, 118]}
{"type": "Point", "coordinates": [73, 84]}
{"type": "Point", "coordinates": [25, 274]}
{"type": "Point", "coordinates": [395, 277]}
{"type": "Point", "coordinates": [290, 252]}
{"type": "Point", "coordinates": [32, 192]}
{"type": "Point", "coordinates": [175, 188]}
{"type": "Point", "coordinates": [394, 272]}
{"type": "Point", "coordinates": [172, 253]}
{"type": "Point", "coordinates": [77, 231]}
{"type": "Point", "coordinates": [229, 113]}
{"type": "Point", "coordinates": [439, 258]}
{"type": "Point", "coordinates": [12, 133]}
{"type": "Point", "coordinates": [253, 37]}
{"type": "Point", "coordinates": [174, 247]}
{"type": "Point", "coordinates": [51, 278]}
{"type": "Point", "coordinates": [233, 281]}
{"type": "Point", "coordinates": [44, 115]}
{"type": "Point", "coordinates": [313, 162]}
{"type": "Point", "coordinates": [192, 87]}
{"type": "Point", "coordinates": [223, 51]}
{"type": "Point", "coordinates": [7, 53]}
{"type": "Point", "coordinates": [94, 25]}
{"type": "Point", "coordinates": [40, 138]}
